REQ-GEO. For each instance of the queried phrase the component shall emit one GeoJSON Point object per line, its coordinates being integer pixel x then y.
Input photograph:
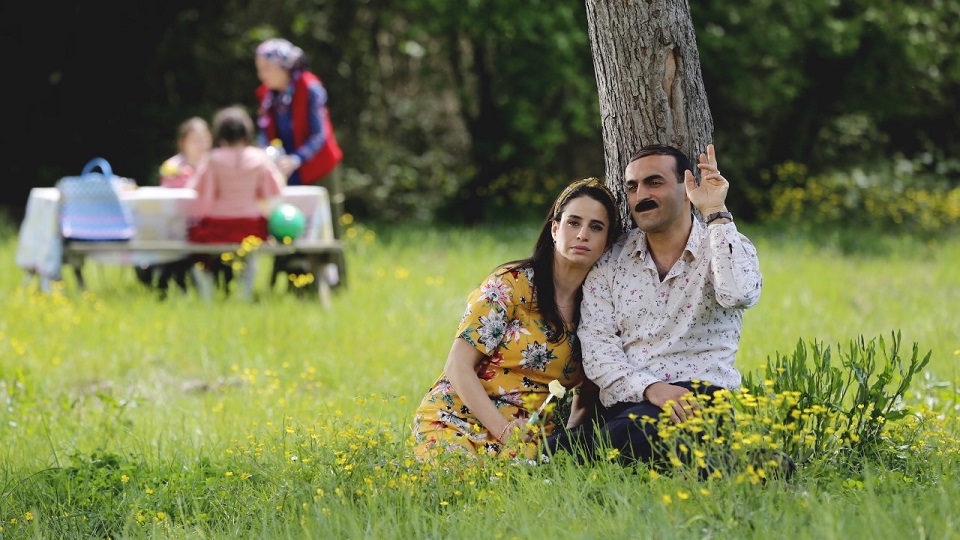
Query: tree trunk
{"type": "Point", "coordinates": [648, 76]}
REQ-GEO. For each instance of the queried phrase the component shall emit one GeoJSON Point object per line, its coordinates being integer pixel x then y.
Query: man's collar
{"type": "Point", "coordinates": [638, 239]}
{"type": "Point", "coordinates": [637, 242]}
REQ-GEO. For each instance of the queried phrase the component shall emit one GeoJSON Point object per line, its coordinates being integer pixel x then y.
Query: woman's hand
{"type": "Point", "coordinates": [584, 404]}
{"type": "Point", "coordinates": [288, 164]}
{"type": "Point", "coordinates": [516, 430]}
{"type": "Point", "coordinates": [461, 370]}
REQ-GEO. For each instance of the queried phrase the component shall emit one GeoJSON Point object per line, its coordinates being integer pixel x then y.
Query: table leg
{"type": "Point", "coordinates": [318, 264]}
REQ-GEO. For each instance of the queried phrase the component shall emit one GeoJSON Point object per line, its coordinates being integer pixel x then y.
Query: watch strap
{"type": "Point", "coordinates": [718, 215]}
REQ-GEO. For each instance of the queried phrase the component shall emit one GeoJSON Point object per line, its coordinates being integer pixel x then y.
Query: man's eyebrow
{"type": "Point", "coordinates": [654, 176]}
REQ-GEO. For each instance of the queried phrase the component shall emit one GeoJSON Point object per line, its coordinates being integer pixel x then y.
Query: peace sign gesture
{"type": "Point", "coordinates": [711, 194]}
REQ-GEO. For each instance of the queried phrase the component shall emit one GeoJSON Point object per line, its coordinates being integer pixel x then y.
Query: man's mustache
{"type": "Point", "coordinates": [644, 205]}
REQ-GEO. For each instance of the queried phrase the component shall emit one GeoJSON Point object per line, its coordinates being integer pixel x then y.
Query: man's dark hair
{"type": "Point", "coordinates": [681, 162]}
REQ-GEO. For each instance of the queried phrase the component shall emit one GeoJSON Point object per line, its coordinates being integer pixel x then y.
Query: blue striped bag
{"type": "Point", "coordinates": [90, 206]}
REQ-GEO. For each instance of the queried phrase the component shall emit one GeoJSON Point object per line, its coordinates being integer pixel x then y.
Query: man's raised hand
{"type": "Point", "coordinates": [711, 195]}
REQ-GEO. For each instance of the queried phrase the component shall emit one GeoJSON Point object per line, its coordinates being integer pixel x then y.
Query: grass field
{"type": "Point", "coordinates": [124, 416]}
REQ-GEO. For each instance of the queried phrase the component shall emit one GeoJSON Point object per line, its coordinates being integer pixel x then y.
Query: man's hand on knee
{"type": "Point", "coordinates": [679, 401]}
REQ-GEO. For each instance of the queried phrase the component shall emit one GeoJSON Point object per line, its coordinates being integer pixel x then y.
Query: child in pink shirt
{"type": "Point", "coordinates": [232, 187]}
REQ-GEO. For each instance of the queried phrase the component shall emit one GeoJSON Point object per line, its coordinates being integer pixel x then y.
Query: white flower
{"type": "Point", "coordinates": [466, 314]}
{"type": "Point", "coordinates": [495, 292]}
{"type": "Point", "coordinates": [514, 330]}
{"type": "Point", "coordinates": [513, 397]}
{"type": "Point", "coordinates": [557, 389]}
{"type": "Point", "coordinates": [536, 356]}
{"type": "Point", "coordinates": [492, 328]}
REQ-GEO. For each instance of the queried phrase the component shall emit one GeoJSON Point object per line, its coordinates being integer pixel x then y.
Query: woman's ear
{"type": "Point", "coordinates": [554, 225]}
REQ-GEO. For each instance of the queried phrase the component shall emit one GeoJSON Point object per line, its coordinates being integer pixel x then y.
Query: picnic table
{"type": "Point", "coordinates": [161, 216]}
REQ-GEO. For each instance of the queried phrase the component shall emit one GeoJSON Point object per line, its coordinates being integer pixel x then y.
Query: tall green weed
{"type": "Point", "coordinates": [832, 400]}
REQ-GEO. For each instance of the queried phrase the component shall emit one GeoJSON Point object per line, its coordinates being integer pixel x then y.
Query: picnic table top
{"type": "Point", "coordinates": [271, 248]}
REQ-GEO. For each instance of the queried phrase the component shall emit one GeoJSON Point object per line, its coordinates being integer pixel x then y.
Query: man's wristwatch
{"type": "Point", "coordinates": [718, 215]}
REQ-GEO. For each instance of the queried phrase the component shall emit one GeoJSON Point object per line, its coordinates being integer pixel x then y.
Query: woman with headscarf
{"type": "Point", "coordinates": [293, 110]}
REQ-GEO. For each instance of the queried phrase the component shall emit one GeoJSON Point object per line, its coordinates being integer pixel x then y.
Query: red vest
{"type": "Point", "coordinates": [329, 155]}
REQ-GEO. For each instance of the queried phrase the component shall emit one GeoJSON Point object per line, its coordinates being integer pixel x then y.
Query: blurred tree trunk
{"type": "Point", "coordinates": [484, 120]}
{"type": "Point", "coordinates": [648, 76]}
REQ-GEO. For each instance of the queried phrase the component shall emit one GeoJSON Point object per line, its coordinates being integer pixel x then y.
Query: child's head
{"type": "Point", "coordinates": [232, 125]}
{"type": "Point", "coordinates": [193, 139]}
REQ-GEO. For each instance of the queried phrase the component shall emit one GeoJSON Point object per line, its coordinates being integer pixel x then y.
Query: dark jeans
{"type": "Point", "coordinates": [626, 427]}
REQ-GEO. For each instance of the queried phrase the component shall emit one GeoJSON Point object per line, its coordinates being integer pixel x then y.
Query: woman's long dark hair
{"type": "Point", "coordinates": [544, 251]}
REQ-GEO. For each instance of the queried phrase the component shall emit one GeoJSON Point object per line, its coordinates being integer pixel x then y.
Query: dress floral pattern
{"type": "Point", "coordinates": [501, 321]}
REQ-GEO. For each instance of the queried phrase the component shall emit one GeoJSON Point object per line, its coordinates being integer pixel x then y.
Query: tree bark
{"type": "Point", "coordinates": [648, 76]}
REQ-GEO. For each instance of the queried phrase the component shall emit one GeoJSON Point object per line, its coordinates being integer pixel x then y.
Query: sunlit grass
{"type": "Point", "coordinates": [126, 416]}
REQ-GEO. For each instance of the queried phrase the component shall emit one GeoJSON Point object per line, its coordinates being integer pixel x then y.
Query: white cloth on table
{"type": "Point", "coordinates": [39, 246]}
{"type": "Point", "coordinates": [159, 214]}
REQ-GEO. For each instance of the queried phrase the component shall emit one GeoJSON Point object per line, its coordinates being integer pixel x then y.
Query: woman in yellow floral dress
{"type": "Point", "coordinates": [517, 335]}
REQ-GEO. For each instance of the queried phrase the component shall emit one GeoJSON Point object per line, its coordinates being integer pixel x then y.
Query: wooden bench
{"type": "Point", "coordinates": [316, 253]}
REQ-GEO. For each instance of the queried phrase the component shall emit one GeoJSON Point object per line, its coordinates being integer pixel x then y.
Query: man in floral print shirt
{"type": "Point", "coordinates": [662, 310]}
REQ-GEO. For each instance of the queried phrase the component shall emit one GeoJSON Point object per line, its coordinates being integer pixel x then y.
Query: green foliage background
{"type": "Point", "coordinates": [465, 110]}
